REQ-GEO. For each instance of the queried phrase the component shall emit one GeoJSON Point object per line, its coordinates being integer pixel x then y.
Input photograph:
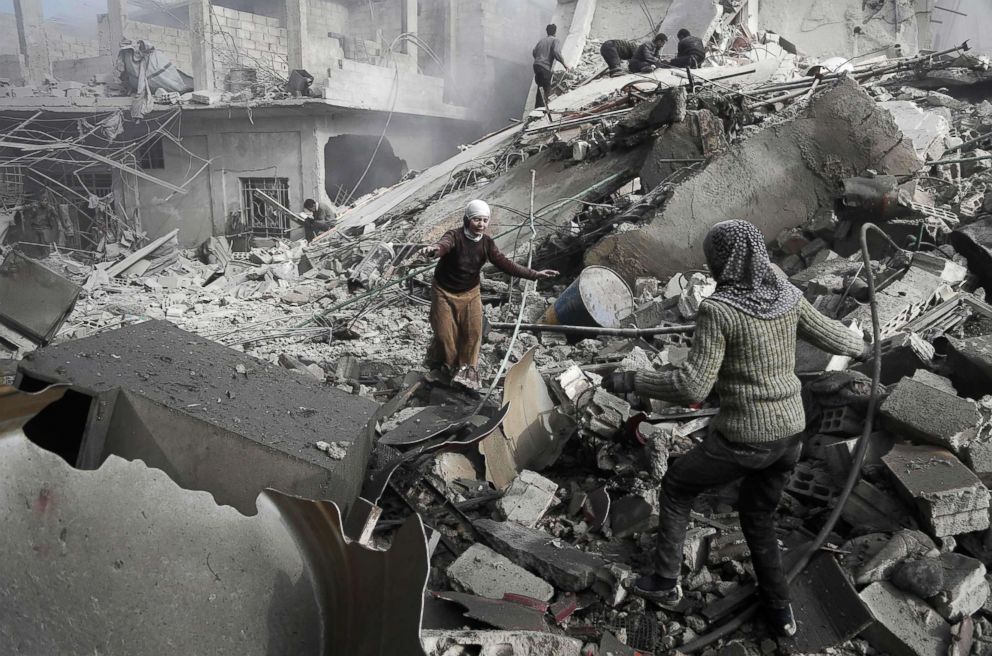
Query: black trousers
{"type": "Point", "coordinates": [609, 52]}
{"type": "Point", "coordinates": [312, 228]}
{"type": "Point", "coordinates": [638, 66]}
{"type": "Point", "coordinates": [542, 77]}
{"type": "Point", "coordinates": [685, 61]}
{"type": "Point", "coordinates": [765, 468]}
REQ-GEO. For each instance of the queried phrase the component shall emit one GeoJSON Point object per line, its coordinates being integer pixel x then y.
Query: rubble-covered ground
{"type": "Point", "coordinates": [545, 521]}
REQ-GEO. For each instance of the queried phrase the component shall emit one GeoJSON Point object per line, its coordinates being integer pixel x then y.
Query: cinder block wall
{"type": "Point", "coordinates": [60, 45]}
{"type": "Point", "coordinates": [244, 40]}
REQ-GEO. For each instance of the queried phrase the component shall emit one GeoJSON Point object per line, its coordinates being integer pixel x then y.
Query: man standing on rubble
{"type": "Point", "coordinates": [691, 52]}
{"type": "Point", "coordinates": [744, 346]}
{"type": "Point", "coordinates": [456, 302]}
{"type": "Point", "coordinates": [645, 60]}
{"type": "Point", "coordinates": [546, 52]}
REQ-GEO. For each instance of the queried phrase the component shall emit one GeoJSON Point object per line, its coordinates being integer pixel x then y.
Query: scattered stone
{"type": "Point", "coordinates": [965, 589]}
{"type": "Point", "coordinates": [923, 577]}
{"type": "Point", "coordinates": [904, 625]}
{"type": "Point", "coordinates": [483, 572]}
{"type": "Point", "coordinates": [529, 496]}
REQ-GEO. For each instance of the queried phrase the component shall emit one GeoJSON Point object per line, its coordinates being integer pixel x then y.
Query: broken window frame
{"type": "Point", "coordinates": [273, 223]}
{"type": "Point", "coordinates": [151, 155]}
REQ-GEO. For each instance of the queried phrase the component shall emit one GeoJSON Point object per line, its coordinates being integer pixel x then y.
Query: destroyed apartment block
{"type": "Point", "coordinates": [210, 379]}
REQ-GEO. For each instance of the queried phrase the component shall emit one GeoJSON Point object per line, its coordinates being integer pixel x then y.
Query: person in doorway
{"type": "Point", "coordinates": [456, 303]}
{"type": "Point", "coordinates": [617, 51]}
{"type": "Point", "coordinates": [691, 52]}
{"type": "Point", "coordinates": [546, 53]}
{"type": "Point", "coordinates": [646, 59]}
{"type": "Point", "coordinates": [744, 346]}
{"type": "Point", "coordinates": [314, 220]}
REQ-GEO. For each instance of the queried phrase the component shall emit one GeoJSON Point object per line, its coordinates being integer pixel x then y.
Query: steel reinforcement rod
{"type": "Point", "coordinates": [857, 461]}
{"type": "Point", "coordinates": [593, 330]}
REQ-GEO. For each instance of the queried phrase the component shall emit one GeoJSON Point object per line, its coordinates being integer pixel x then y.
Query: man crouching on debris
{"type": "Point", "coordinates": [744, 345]}
{"type": "Point", "coordinates": [456, 303]}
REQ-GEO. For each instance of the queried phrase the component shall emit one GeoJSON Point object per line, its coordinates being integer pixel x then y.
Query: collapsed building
{"type": "Point", "coordinates": [212, 415]}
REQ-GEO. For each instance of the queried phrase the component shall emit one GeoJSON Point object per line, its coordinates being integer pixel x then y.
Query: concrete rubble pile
{"type": "Point", "coordinates": [539, 493]}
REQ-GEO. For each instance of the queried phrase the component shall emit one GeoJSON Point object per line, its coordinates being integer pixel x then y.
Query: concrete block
{"type": "Point", "coordinates": [921, 412]}
{"type": "Point", "coordinates": [922, 577]}
{"type": "Point", "coordinates": [947, 495]}
{"type": "Point", "coordinates": [483, 572]}
{"type": "Point", "coordinates": [903, 545]}
{"type": "Point", "coordinates": [567, 567]}
{"type": "Point", "coordinates": [527, 499]}
{"type": "Point", "coordinates": [965, 589]}
{"type": "Point", "coordinates": [904, 625]}
{"type": "Point", "coordinates": [902, 355]}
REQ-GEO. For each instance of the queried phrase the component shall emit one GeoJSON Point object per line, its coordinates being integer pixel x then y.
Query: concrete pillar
{"type": "Point", "coordinates": [409, 25]}
{"type": "Point", "coordinates": [201, 44]}
{"type": "Point", "coordinates": [30, 20]}
{"type": "Point", "coordinates": [116, 18]}
{"type": "Point", "coordinates": [296, 33]}
{"type": "Point", "coordinates": [575, 42]}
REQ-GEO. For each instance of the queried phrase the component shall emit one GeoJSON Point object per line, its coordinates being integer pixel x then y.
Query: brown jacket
{"type": "Point", "coordinates": [461, 260]}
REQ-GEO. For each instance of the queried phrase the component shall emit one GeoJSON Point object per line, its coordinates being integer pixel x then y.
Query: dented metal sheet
{"type": "Point", "coordinates": [122, 561]}
{"type": "Point", "coordinates": [34, 300]}
{"type": "Point", "coordinates": [533, 434]}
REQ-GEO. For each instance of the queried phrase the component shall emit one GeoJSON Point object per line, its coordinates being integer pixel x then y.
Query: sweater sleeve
{"type": "Point", "coordinates": [692, 382]}
{"type": "Point", "coordinates": [505, 264]}
{"type": "Point", "coordinates": [445, 243]}
{"type": "Point", "coordinates": [556, 51]}
{"type": "Point", "coordinates": [646, 53]}
{"type": "Point", "coordinates": [826, 333]}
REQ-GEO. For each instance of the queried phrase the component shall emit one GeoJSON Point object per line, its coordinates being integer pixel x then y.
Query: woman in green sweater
{"type": "Point", "coordinates": [744, 347]}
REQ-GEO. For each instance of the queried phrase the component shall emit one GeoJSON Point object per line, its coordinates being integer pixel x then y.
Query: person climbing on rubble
{"type": "Point", "coordinates": [456, 302]}
{"type": "Point", "coordinates": [617, 51]}
{"type": "Point", "coordinates": [744, 346]}
{"type": "Point", "coordinates": [314, 220]}
{"type": "Point", "coordinates": [691, 52]}
{"type": "Point", "coordinates": [546, 52]}
{"type": "Point", "coordinates": [646, 59]}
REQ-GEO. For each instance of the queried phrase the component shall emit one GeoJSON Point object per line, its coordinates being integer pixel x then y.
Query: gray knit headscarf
{"type": "Point", "coordinates": [738, 259]}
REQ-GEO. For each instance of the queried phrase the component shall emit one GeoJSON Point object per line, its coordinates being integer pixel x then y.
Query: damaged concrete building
{"type": "Point", "coordinates": [216, 410]}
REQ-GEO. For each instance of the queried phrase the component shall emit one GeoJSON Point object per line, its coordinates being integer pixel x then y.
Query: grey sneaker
{"type": "Point", "coordinates": [649, 588]}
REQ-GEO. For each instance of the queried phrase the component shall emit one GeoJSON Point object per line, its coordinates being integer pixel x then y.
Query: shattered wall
{"type": "Point", "coordinates": [973, 26]}
{"type": "Point", "coordinates": [244, 39]}
{"type": "Point", "coordinates": [60, 44]}
{"type": "Point", "coordinates": [847, 27]}
{"type": "Point", "coordinates": [173, 42]}
{"type": "Point", "coordinates": [776, 179]}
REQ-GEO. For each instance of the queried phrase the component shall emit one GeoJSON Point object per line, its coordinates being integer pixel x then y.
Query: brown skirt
{"type": "Point", "coordinates": [456, 319]}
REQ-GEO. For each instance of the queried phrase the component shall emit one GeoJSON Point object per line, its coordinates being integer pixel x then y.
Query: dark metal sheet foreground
{"type": "Point", "coordinates": [122, 561]}
{"type": "Point", "coordinates": [34, 300]}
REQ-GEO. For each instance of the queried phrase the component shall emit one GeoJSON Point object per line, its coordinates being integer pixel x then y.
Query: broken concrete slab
{"type": "Point", "coordinates": [921, 412]}
{"type": "Point", "coordinates": [483, 572]}
{"type": "Point", "coordinates": [969, 361]}
{"type": "Point", "coordinates": [560, 563]}
{"type": "Point", "coordinates": [814, 151]}
{"type": "Point", "coordinates": [498, 643]}
{"type": "Point", "coordinates": [34, 300]}
{"type": "Point", "coordinates": [904, 625]}
{"type": "Point", "coordinates": [700, 17]}
{"type": "Point", "coordinates": [903, 545]}
{"type": "Point", "coordinates": [948, 497]}
{"type": "Point", "coordinates": [529, 496]}
{"type": "Point", "coordinates": [699, 136]}
{"type": "Point", "coordinates": [505, 615]}
{"type": "Point", "coordinates": [965, 589]}
{"type": "Point", "coordinates": [183, 410]}
{"type": "Point", "coordinates": [974, 241]}
{"type": "Point", "coordinates": [927, 129]}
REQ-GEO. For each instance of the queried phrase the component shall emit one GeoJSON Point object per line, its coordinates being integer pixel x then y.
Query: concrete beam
{"type": "Point", "coordinates": [409, 24]}
{"type": "Point", "coordinates": [571, 50]}
{"type": "Point", "coordinates": [201, 44]}
{"type": "Point", "coordinates": [116, 18]}
{"type": "Point", "coordinates": [297, 14]}
{"type": "Point", "coordinates": [30, 19]}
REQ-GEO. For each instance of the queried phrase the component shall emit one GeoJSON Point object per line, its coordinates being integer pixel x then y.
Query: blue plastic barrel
{"type": "Point", "coordinates": [598, 297]}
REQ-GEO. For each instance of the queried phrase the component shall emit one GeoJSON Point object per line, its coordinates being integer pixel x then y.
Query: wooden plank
{"type": "Point", "coordinates": [140, 254]}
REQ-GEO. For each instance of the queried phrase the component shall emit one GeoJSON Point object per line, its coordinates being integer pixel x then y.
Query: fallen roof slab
{"type": "Point", "coordinates": [776, 179]}
{"type": "Point", "coordinates": [119, 560]}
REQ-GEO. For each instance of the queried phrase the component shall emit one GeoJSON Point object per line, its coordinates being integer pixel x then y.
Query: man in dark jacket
{"type": "Point", "coordinates": [615, 52]}
{"type": "Point", "coordinates": [691, 53]}
{"type": "Point", "coordinates": [546, 53]}
{"type": "Point", "coordinates": [315, 221]}
{"type": "Point", "coordinates": [646, 58]}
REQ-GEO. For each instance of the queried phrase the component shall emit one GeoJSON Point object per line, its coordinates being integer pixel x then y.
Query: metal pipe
{"type": "Point", "coordinates": [961, 159]}
{"type": "Point", "coordinates": [595, 330]}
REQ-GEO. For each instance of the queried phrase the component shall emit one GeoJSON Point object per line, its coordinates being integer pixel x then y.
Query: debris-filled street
{"type": "Point", "coordinates": [375, 328]}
